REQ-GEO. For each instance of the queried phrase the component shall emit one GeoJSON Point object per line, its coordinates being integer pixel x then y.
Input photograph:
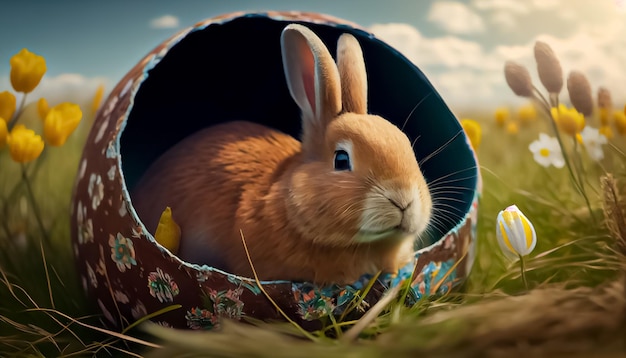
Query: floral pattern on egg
{"type": "Point", "coordinates": [95, 190]}
{"type": "Point", "coordinates": [85, 224]}
{"type": "Point", "coordinates": [226, 303]}
{"type": "Point", "coordinates": [122, 252]}
{"type": "Point", "coordinates": [162, 286]}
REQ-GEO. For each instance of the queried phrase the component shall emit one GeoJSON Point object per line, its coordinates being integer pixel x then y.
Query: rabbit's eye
{"type": "Point", "coordinates": [342, 160]}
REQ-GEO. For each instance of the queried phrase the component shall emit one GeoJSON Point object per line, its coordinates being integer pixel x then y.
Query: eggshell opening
{"type": "Point", "coordinates": [226, 69]}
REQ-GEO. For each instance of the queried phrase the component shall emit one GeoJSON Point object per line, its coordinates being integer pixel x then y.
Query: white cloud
{"type": "Point", "coordinates": [519, 7]}
{"type": "Point", "coordinates": [467, 72]}
{"type": "Point", "coordinates": [548, 4]}
{"type": "Point", "coordinates": [66, 87]}
{"type": "Point", "coordinates": [507, 15]}
{"type": "Point", "coordinates": [448, 51]}
{"type": "Point", "coordinates": [456, 67]}
{"type": "Point", "coordinates": [165, 22]}
{"type": "Point", "coordinates": [455, 17]}
{"type": "Point", "coordinates": [511, 6]}
{"type": "Point", "coordinates": [504, 20]}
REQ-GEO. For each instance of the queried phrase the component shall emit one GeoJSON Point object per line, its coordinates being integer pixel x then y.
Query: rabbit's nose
{"type": "Point", "coordinates": [411, 220]}
{"type": "Point", "coordinates": [400, 206]}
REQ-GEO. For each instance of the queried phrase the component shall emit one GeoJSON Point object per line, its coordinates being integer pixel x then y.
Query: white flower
{"type": "Point", "coordinates": [516, 234]}
{"type": "Point", "coordinates": [95, 190]}
{"type": "Point", "coordinates": [593, 140]}
{"type": "Point", "coordinates": [546, 151]}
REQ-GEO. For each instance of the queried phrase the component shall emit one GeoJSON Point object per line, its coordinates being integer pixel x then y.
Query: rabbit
{"type": "Point", "coordinates": [348, 200]}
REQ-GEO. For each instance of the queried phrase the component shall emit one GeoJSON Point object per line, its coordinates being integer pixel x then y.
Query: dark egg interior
{"type": "Point", "coordinates": [233, 71]}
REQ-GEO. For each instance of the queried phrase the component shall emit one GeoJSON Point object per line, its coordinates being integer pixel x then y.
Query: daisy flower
{"type": "Point", "coordinates": [546, 151]}
{"type": "Point", "coordinates": [593, 140]}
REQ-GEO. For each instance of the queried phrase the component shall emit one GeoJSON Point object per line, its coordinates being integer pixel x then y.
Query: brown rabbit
{"type": "Point", "coordinates": [349, 200]}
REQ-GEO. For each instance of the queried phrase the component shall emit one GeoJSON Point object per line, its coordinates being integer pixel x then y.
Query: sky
{"type": "Point", "coordinates": [461, 45]}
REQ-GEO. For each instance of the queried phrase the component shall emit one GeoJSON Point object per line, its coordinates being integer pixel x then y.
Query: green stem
{"type": "Point", "coordinates": [568, 163]}
{"type": "Point", "coordinates": [34, 170]}
{"type": "Point", "coordinates": [17, 113]}
{"type": "Point", "coordinates": [581, 174]}
{"type": "Point", "coordinates": [563, 151]}
{"type": "Point", "coordinates": [522, 267]}
{"type": "Point", "coordinates": [31, 197]}
{"type": "Point", "coordinates": [5, 223]}
{"type": "Point", "coordinates": [554, 99]}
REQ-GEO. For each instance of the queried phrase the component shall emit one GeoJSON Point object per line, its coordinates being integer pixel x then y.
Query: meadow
{"type": "Point", "coordinates": [569, 298]}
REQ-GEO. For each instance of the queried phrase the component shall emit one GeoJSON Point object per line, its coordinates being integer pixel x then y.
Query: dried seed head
{"type": "Point", "coordinates": [604, 98]}
{"type": "Point", "coordinates": [613, 207]}
{"type": "Point", "coordinates": [580, 93]}
{"type": "Point", "coordinates": [549, 67]}
{"type": "Point", "coordinates": [518, 78]}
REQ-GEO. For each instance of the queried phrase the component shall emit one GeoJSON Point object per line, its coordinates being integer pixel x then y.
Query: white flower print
{"type": "Point", "coordinates": [95, 190]}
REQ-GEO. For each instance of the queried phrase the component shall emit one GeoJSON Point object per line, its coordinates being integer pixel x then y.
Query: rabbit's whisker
{"type": "Point", "coordinates": [413, 110]}
{"type": "Point", "coordinates": [440, 149]}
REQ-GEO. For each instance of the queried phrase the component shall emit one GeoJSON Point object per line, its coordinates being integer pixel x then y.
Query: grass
{"type": "Point", "coordinates": [576, 303]}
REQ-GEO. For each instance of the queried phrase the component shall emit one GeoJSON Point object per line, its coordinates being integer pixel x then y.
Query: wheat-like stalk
{"type": "Point", "coordinates": [580, 93]}
{"type": "Point", "coordinates": [548, 67]}
{"type": "Point", "coordinates": [518, 78]}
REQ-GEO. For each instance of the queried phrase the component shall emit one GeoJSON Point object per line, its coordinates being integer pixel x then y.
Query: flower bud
{"type": "Point", "coordinates": [60, 122]}
{"type": "Point", "coordinates": [24, 145]}
{"type": "Point", "coordinates": [7, 105]}
{"type": "Point", "coordinates": [607, 131]}
{"type": "Point", "coordinates": [619, 121]}
{"type": "Point", "coordinates": [473, 131]}
{"type": "Point", "coordinates": [97, 99]}
{"type": "Point", "coordinates": [168, 232]}
{"type": "Point", "coordinates": [4, 133]}
{"type": "Point", "coordinates": [580, 93]}
{"type": "Point", "coordinates": [516, 234]}
{"type": "Point", "coordinates": [604, 98]}
{"type": "Point", "coordinates": [42, 108]}
{"type": "Point", "coordinates": [527, 113]}
{"type": "Point", "coordinates": [548, 67]}
{"type": "Point", "coordinates": [518, 78]}
{"type": "Point", "coordinates": [501, 116]}
{"type": "Point", "coordinates": [27, 69]}
{"type": "Point", "coordinates": [568, 119]}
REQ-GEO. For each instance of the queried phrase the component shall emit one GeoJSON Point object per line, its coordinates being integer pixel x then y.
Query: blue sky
{"type": "Point", "coordinates": [460, 45]}
{"type": "Point", "coordinates": [105, 38]}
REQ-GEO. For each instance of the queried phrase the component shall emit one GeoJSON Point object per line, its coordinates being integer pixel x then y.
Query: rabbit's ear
{"type": "Point", "coordinates": [312, 78]}
{"type": "Point", "coordinates": [352, 74]}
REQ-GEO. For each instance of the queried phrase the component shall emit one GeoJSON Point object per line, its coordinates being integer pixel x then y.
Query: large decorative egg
{"type": "Point", "coordinates": [229, 68]}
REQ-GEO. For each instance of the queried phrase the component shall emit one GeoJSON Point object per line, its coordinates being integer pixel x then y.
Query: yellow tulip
{"type": "Point", "coordinates": [24, 145]}
{"type": "Point", "coordinates": [4, 133]}
{"type": "Point", "coordinates": [605, 116]}
{"type": "Point", "coordinates": [607, 131]}
{"type": "Point", "coordinates": [512, 128]}
{"type": "Point", "coordinates": [568, 119]}
{"type": "Point", "coordinates": [60, 122]}
{"type": "Point", "coordinates": [473, 131]}
{"type": "Point", "coordinates": [7, 105]}
{"type": "Point", "coordinates": [501, 116]}
{"type": "Point", "coordinates": [97, 99]}
{"type": "Point", "coordinates": [619, 120]}
{"type": "Point", "coordinates": [27, 69]}
{"type": "Point", "coordinates": [43, 108]}
{"type": "Point", "coordinates": [579, 138]}
{"type": "Point", "coordinates": [168, 232]}
{"type": "Point", "coordinates": [527, 114]}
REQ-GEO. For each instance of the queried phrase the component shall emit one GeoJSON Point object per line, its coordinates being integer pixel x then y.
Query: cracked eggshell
{"type": "Point", "coordinates": [226, 68]}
